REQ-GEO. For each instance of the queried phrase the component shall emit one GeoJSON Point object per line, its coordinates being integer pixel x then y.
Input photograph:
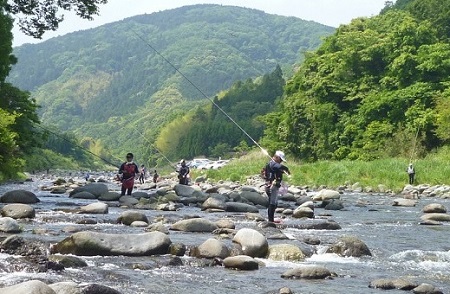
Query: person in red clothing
{"type": "Point", "coordinates": [127, 173]}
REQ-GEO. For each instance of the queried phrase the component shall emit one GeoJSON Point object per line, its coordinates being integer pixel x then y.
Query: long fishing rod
{"type": "Point", "coordinates": [201, 92]}
{"type": "Point", "coordinates": [76, 145]}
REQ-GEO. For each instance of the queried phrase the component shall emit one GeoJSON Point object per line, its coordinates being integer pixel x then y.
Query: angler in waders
{"type": "Point", "coordinates": [127, 173]}
{"type": "Point", "coordinates": [274, 171]}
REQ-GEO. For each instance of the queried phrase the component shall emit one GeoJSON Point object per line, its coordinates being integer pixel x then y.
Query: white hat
{"type": "Point", "coordinates": [280, 154]}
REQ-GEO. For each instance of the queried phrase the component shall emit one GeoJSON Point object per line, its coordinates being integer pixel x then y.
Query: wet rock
{"type": "Point", "coordinates": [95, 208]}
{"type": "Point", "coordinates": [285, 252]}
{"type": "Point", "coordinates": [128, 201]}
{"type": "Point", "coordinates": [333, 204]}
{"type": "Point", "coordinates": [95, 243]}
{"type": "Point", "coordinates": [211, 248]}
{"type": "Point", "coordinates": [303, 211]}
{"type": "Point", "coordinates": [139, 195]}
{"type": "Point", "coordinates": [129, 216]}
{"type": "Point", "coordinates": [326, 194]}
{"type": "Point", "coordinates": [9, 225]}
{"type": "Point", "coordinates": [96, 189]}
{"type": "Point", "coordinates": [252, 242]}
{"type": "Point", "coordinates": [389, 284]}
{"type": "Point", "coordinates": [58, 190]}
{"type": "Point", "coordinates": [241, 262]}
{"type": "Point", "coordinates": [66, 288]}
{"type": "Point", "coordinates": [349, 246]}
{"type": "Point", "coordinates": [254, 217]}
{"type": "Point", "coordinates": [308, 272]}
{"type": "Point", "coordinates": [426, 289]}
{"type": "Point", "coordinates": [177, 249]}
{"type": "Point", "coordinates": [440, 217]}
{"type": "Point", "coordinates": [194, 225]}
{"type": "Point", "coordinates": [86, 221]}
{"type": "Point", "coordinates": [83, 195]}
{"type": "Point", "coordinates": [98, 289]}
{"type": "Point", "coordinates": [68, 261]}
{"type": "Point", "coordinates": [404, 202]}
{"type": "Point", "coordinates": [183, 190]}
{"type": "Point", "coordinates": [17, 211]}
{"type": "Point", "coordinates": [241, 207]}
{"type": "Point", "coordinates": [157, 227]}
{"type": "Point", "coordinates": [109, 196]}
{"type": "Point", "coordinates": [139, 224]}
{"type": "Point", "coordinates": [255, 198]}
{"type": "Point", "coordinates": [30, 287]}
{"type": "Point", "coordinates": [17, 245]}
{"type": "Point", "coordinates": [214, 202]}
{"type": "Point", "coordinates": [225, 224]}
{"type": "Point", "coordinates": [434, 208]}
{"type": "Point", "coordinates": [316, 224]}
{"type": "Point", "coordinates": [19, 196]}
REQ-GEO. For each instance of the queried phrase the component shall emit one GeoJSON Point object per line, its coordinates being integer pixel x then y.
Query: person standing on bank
{"type": "Point", "coordinates": [274, 175]}
{"type": "Point", "coordinates": [411, 173]}
{"type": "Point", "coordinates": [183, 173]}
{"type": "Point", "coordinates": [127, 173]}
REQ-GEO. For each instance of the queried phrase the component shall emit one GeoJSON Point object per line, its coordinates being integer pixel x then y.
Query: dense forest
{"type": "Point", "coordinates": [108, 84]}
{"type": "Point", "coordinates": [378, 87]}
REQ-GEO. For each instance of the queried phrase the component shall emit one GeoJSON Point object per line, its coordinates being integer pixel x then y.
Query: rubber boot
{"type": "Point", "coordinates": [271, 212]}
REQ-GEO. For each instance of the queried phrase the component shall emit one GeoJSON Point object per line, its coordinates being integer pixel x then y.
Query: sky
{"type": "Point", "coordinates": [328, 12]}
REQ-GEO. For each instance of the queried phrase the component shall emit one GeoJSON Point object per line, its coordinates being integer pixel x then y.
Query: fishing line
{"type": "Point", "coordinates": [76, 145]}
{"type": "Point", "coordinates": [201, 92]}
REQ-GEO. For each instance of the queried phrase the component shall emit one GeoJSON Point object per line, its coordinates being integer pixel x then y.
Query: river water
{"type": "Point", "coordinates": [401, 248]}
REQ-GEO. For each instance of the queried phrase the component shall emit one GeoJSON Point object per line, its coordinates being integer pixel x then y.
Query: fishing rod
{"type": "Point", "coordinates": [77, 145]}
{"type": "Point", "coordinates": [202, 93]}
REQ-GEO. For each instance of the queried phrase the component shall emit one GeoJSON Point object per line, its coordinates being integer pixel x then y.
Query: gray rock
{"type": "Point", "coordinates": [68, 261]}
{"type": "Point", "coordinates": [308, 272]}
{"type": "Point", "coordinates": [241, 262]}
{"type": "Point", "coordinates": [241, 207]}
{"type": "Point", "coordinates": [95, 208]}
{"type": "Point", "coordinates": [285, 252]}
{"type": "Point", "coordinates": [211, 248]}
{"type": "Point", "coordinates": [96, 189]}
{"type": "Point", "coordinates": [434, 208]}
{"type": "Point", "coordinates": [183, 190]}
{"type": "Point", "coordinates": [66, 288]}
{"type": "Point", "coordinates": [255, 198]}
{"type": "Point", "coordinates": [349, 246]}
{"type": "Point", "coordinates": [252, 242]}
{"type": "Point", "coordinates": [128, 200]}
{"type": "Point", "coordinates": [98, 289]}
{"type": "Point", "coordinates": [254, 216]}
{"type": "Point", "coordinates": [389, 284]}
{"type": "Point", "coordinates": [326, 194]}
{"type": "Point", "coordinates": [83, 195]}
{"type": "Point", "coordinates": [225, 224]}
{"type": "Point", "coordinates": [109, 196]}
{"type": "Point", "coordinates": [9, 225]}
{"type": "Point", "coordinates": [303, 211]}
{"type": "Point", "coordinates": [404, 202]}
{"type": "Point", "coordinates": [18, 210]}
{"type": "Point", "coordinates": [139, 224]}
{"type": "Point", "coordinates": [95, 243]}
{"type": "Point", "coordinates": [30, 287]}
{"type": "Point", "coordinates": [19, 196]}
{"type": "Point", "coordinates": [140, 194]}
{"type": "Point", "coordinates": [441, 217]}
{"type": "Point", "coordinates": [194, 225]}
{"type": "Point", "coordinates": [426, 289]}
{"type": "Point", "coordinates": [214, 203]}
{"type": "Point", "coordinates": [335, 204]}
{"type": "Point", "coordinates": [316, 224]}
{"type": "Point", "coordinates": [129, 216]}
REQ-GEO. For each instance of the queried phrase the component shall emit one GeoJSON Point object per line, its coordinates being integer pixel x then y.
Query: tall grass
{"type": "Point", "coordinates": [433, 169]}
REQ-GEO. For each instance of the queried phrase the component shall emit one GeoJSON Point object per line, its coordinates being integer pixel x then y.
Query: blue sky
{"type": "Point", "coordinates": [328, 12]}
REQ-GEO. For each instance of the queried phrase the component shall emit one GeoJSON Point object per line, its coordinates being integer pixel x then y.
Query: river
{"type": "Point", "coordinates": [400, 247]}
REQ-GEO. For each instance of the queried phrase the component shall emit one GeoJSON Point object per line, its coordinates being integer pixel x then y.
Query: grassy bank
{"type": "Point", "coordinates": [434, 169]}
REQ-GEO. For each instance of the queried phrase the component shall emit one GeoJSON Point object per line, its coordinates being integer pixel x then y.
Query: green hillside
{"type": "Point", "coordinates": [108, 84]}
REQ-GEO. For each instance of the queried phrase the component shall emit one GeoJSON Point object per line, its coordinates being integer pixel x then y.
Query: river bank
{"type": "Point", "coordinates": [197, 227]}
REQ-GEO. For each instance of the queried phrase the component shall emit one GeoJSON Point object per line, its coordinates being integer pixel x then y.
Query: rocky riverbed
{"type": "Point", "coordinates": [61, 234]}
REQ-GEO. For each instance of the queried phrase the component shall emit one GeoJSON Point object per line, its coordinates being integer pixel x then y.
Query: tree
{"type": "Point", "coordinates": [38, 16]}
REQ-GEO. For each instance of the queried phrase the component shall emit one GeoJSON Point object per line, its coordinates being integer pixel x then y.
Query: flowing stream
{"type": "Point", "coordinates": [401, 248]}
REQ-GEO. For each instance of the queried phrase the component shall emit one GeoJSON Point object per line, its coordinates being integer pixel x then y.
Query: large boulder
{"type": "Point", "coordinates": [241, 262]}
{"type": "Point", "coordinates": [109, 196]}
{"type": "Point", "coordinates": [252, 242]}
{"type": "Point", "coordinates": [128, 200]}
{"type": "Point", "coordinates": [194, 225]}
{"type": "Point", "coordinates": [440, 217]}
{"type": "Point", "coordinates": [214, 203]}
{"type": "Point", "coordinates": [94, 243]}
{"type": "Point", "coordinates": [83, 195]}
{"type": "Point", "coordinates": [29, 287]}
{"type": "Point", "coordinates": [184, 190]}
{"type": "Point", "coordinates": [434, 208]}
{"type": "Point", "coordinates": [285, 252]}
{"type": "Point", "coordinates": [18, 210]}
{"type": "Point", "coordinates": [211, 248]}
{"type": "Point", "coordinates": [349, 246]}
{"type": "Point", "coordinates": [241, 207]}
{"type": "Point", "coordinates": [255, 198]}
{"type": "Point", "coordinates": [326, 194]}
{"type": "Point", "coordinates": [95, 208]}
{"type": "Point", "coordinates": [19, 196]}
{"type": "Point", "coordinates": [303, 211]}
{"type": "Point", "coordinates": [97, 189]}
{"type": "Point", "coordinates": [9, 225]}
{"type": "Point", "coordinates": [129, 216]}
{"type": "Point", "coordinates": [308, 272]}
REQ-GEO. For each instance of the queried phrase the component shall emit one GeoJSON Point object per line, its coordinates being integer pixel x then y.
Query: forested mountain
{"type": "Point", "coordinates": [109, 84]}
{"type": "Point", "coordinates": [378, 87]}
